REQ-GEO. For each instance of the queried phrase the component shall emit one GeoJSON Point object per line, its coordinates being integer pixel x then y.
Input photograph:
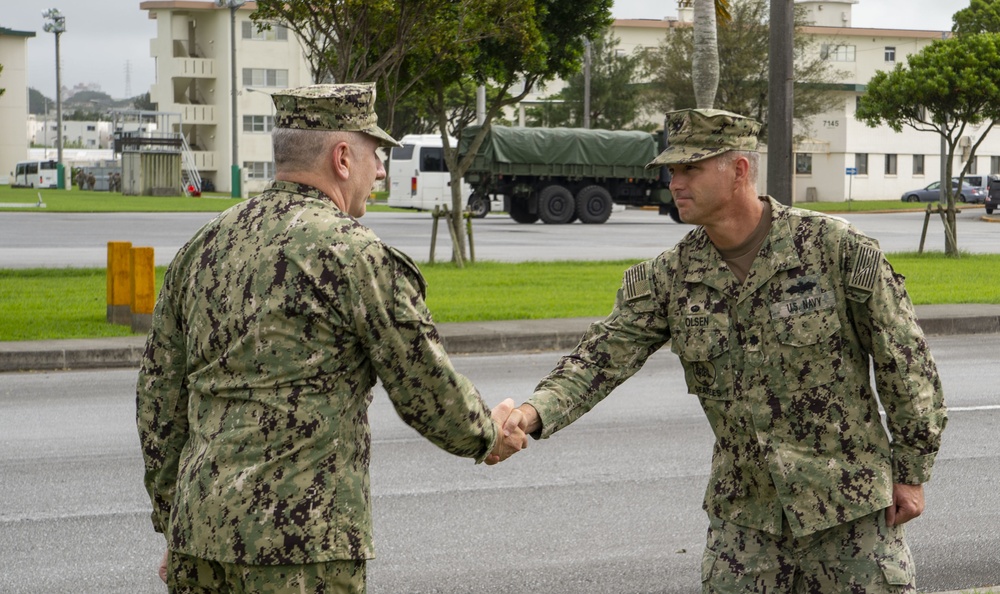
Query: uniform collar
{"type": "Point", "coordinates": [777, 253]}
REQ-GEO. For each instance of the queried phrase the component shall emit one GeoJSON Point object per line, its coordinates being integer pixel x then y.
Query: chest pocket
{"type": "Point", "coordinates": [704, 351]}
{"type": "Point", "coordinates": [810, 348]}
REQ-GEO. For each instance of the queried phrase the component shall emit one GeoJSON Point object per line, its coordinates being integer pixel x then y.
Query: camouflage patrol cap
{"type": "Point", "coordinates": [347, 107]}
{"type": "Point", "coordinates": [696, 134]}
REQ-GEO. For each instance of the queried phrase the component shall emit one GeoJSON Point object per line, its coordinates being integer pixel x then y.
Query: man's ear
{"type": "Point", "coordinates": [340, 160]}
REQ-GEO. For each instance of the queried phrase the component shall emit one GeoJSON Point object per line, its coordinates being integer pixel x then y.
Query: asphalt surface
{"type": "Point", "coordinates": [459, 338]}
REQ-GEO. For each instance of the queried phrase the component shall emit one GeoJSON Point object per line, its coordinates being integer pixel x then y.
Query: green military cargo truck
{"type": "Point", "coordinates": [560, 175]}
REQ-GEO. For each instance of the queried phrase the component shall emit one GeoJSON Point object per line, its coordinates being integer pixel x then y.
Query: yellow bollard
{"type": "Point", "coordinates": [143, 288]}
{"type": "Point", "coordinates": [119, 283]}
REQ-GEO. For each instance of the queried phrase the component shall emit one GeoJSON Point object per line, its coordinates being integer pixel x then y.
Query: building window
{"type": "Point", "coordinates": [994, 165]}
{"type": "Point", "coordinates": [890, 164]}
{"type": "Point", "coordinates": [91, 128]}
{"type": "Point", "coordinates": [275, 33]}
{"type": "Point", "coordinates": [972, 166]}
{"type": "Point", "coordinates": [861, 163]}
{"type": "Point", "coordinates": [258, 123]}
{"type": "Point", "coordinates": [890, 54]}
{"type": "Point", "coordinates": [265, 77]}
{"type": "Point", "coordinates": [803, 163]}
{"type": "Point", "coordinates": [837, 53]}
{"type": "Point", "coordinates": [259, 169]}
{"type": "Point", "coordinates": [918, 164]}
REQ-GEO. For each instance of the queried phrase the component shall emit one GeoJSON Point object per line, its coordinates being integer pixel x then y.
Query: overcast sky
{"type": "Point", "coordinates": [105, 39]}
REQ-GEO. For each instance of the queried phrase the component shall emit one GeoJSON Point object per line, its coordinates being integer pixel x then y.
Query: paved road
{"type": "Point", "coordinates": [80, 240]}
{"type": "Point", "coordinates": [610, 505]}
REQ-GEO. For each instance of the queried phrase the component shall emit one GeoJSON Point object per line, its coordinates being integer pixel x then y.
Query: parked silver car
{"type": "Point", "coordinates": [974, 190]}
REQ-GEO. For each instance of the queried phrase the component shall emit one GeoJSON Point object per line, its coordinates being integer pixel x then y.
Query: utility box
{"type": "Point", "coordinates": [151, 174]}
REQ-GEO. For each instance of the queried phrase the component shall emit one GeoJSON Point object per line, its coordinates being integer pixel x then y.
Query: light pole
{"type": "Point", "coordinates": [235, 180]}
{"type": "Point", "coordinates": [57, 25]}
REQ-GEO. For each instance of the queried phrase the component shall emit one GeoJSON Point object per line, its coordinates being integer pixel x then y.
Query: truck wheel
{"type": "Point", "coordinates": [520, 213]}
{"type": "Point", "coordinates": [556, 205]}
{"type": "Point", "coordinates": [593, 205]}
{"type": "Point", "coordinates": [479, 206]}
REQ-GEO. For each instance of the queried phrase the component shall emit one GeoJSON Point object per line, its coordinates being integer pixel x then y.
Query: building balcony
{"type": "Point", "coordinates": [191, 68]}
{"type": "Point", "coordinates": [205, 160]}
{"type": "Point", "coordinates": [193, 114]}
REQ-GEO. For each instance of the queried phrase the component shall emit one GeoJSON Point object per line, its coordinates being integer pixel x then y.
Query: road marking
{"type": "Point", "coordinates": [973, 408]}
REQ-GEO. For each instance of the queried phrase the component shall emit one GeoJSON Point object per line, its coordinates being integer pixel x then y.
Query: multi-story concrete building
{"type": "Point", "coordinates": [194, 67]}
{"type": "Point", "coordinates": [194, 70]}
{"type": "Point", "coordinates": [886, 163]}
{"type": "Point", "coordinates": [14, 101]}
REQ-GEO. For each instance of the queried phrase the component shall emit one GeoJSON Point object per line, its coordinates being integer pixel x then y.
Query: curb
{"type": "Point", "coordinates": [463, 338]}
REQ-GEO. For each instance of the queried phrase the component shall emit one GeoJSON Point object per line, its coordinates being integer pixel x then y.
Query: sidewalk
{"type": "Point", "coordinates": [515, 336]}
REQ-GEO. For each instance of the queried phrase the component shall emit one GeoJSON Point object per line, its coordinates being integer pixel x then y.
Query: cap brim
{"type": "Point", "coordinates": [685, 154]}
{"type": "Point", "coordinates": [384, 140]}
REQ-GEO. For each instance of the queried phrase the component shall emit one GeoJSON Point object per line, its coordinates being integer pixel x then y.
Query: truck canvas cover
{"type": "Point", "coordinates": [563, 146]}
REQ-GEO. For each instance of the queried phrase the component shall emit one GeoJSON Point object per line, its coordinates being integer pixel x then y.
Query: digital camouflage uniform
{"type": "Point", "coordinates": [780, 364]}
{"type": "Point", "coordinates": [272, 326]}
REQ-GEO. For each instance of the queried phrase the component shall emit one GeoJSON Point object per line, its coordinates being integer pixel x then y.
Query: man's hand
{"type": "Point", "coordinates": [907, 503]}
{"type": "Point", "coordinates": [163, 566]}
{"type": "Point", "coordinates": [511, 437]}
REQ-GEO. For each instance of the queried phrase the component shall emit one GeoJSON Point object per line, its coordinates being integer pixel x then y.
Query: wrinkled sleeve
{"type": "Point", "coordinates": [407, 354]}
{"type": "Point", "coordinates": [906, 376]}
{"type": "Point", "coordinates": [161, 406]}
{"type": "Point", "coordinates": [609, 353]}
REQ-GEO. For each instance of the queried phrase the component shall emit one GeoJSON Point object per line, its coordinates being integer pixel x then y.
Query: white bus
{"type": "Point", "coordinates": [418, 176]}
{"type": "Point", "coordinates": [35, 174]}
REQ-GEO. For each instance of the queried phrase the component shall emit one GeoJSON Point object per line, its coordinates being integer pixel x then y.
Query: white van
{"type": "Point", "coordinates": [418, 175]}
{"type": "Point", "coordinates": [35, 174]}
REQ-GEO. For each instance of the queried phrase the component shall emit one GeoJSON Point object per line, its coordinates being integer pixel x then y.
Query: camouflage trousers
{"type": "Point", "coordinates": [193, 575]}
{"type": "Point", "coordinates": [861, 557]}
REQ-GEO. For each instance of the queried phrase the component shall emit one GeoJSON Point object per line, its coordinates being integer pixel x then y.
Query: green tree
{"type": "Point", "coordinates": [948, 88]}
{"type": "Point", "coordinates": [744, 50]}
{"type": "Point", "coordinates": [371, 40]}
{"type": "Point", "coordinates": [524, 42]}
{"type": "Point", "coordinates": [981, 16]}
{"type": "Point", "coordinates": [615, 101]}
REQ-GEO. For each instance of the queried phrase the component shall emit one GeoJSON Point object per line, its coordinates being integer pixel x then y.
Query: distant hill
{"type": "Point", "coordinates": [85, 105]}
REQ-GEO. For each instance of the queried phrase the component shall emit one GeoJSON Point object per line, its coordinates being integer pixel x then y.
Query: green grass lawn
{"type": "Point", "coordinates": [77, 200]}
{"type": "Point", "coordinates": [71, 303]}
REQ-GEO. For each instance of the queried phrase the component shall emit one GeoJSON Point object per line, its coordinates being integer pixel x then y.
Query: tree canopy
{"type": "Point", "coordinates": [615, 101]}
{"type": "Point", "coordinates": [981, 16]}
{"type": "Point", "coordinates": [949, 88]}
{"type": "Point", "coordinates": [743, 57]}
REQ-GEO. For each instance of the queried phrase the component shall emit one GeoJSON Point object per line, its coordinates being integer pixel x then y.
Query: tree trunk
{"type": "Point", "coordinates": [705, 58]}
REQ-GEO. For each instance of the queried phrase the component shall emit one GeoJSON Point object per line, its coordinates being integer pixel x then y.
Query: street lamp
{"type": "Point", "coordinates": [57, 25]}
{"type": "Point", "coordinates": [232, 5]}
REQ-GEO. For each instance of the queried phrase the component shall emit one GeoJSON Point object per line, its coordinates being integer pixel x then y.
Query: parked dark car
{"type": "Point", "coordinates": [993, 196]}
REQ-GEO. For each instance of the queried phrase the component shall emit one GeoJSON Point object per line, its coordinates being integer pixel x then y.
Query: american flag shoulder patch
{"type": "Point", "coordinates": [865, 268]}
{"type": "Point", "coordinates": [636, 283]}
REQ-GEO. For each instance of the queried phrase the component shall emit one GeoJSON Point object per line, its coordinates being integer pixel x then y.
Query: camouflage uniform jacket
{"type": "Point", "coordinates": [781, 367]}
{"type": "Point", "coordinates": [270, 330]}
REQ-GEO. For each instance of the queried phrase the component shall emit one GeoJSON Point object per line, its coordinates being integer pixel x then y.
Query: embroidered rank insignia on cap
{"type": "Point", "coordinates": [636, 283]}
{"type": "Point", "coordinates": [865, 269]}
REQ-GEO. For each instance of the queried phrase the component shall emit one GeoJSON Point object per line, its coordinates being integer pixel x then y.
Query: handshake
{"type": "Point", "coordinates": [513, 426]}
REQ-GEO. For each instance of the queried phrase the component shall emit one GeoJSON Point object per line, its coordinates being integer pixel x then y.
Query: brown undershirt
{"type": "Point", "coordinates": [741, 257]}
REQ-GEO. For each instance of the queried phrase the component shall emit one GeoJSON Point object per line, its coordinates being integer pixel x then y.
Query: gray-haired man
{"type": "Point", "coordinates": [273, 324]}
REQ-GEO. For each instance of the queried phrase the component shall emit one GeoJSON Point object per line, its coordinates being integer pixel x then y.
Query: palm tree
{"type": "Point", "coordinates": [705, 58]}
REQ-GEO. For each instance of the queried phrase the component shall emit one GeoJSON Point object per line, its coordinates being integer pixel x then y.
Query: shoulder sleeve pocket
{"type": "Point", "coordinates": [408, 290]}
